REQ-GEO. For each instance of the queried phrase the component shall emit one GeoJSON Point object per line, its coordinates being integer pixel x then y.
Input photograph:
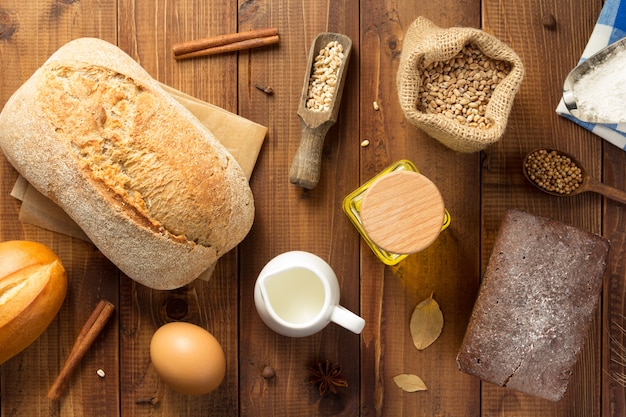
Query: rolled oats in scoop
{"type": "Point", "coordinates": [324, 77]}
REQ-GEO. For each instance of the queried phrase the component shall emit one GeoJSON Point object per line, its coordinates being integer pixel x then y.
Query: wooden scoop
{"type": "Point", "coordinates": [588, 183]}
{"type": "Point", "coordinates": [305, 168]}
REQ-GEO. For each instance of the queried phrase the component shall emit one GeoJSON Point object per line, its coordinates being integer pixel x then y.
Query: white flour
{"type": "Point", "coordinates": [601, 91]}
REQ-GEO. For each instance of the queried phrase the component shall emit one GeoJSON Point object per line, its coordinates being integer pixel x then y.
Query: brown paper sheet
{"type": "Point", "coordinates": [242, 137]}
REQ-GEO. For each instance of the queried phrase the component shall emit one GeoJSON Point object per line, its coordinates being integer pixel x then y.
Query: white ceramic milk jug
{"type": "Point", "coordinates": [297, 295]}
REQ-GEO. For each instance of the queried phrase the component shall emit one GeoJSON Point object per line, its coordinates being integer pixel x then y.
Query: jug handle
{"type": "Point", "coordinates": [347, 319]}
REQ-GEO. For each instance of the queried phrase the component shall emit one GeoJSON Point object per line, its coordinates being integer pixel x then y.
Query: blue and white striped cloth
{"type": "Point", "coordinates": [610, 27]}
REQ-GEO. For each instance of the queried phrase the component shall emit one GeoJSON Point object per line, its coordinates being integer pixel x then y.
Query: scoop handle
{"type": "Point", "coordinates": [606, 190]}
{"type": "Point", "coordinates": [306, 164]}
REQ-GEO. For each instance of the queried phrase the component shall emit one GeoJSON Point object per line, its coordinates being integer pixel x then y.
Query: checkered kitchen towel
{"type": "Point", "coordinates": [611, 26]}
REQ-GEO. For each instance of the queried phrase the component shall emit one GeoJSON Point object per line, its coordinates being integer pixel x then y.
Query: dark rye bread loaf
{"type": "Point", "coordinates": [145, 180]}
{"type": "Point", "coordinates": [535, 305]}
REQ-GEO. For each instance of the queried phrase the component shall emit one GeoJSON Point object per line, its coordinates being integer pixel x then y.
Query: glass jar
{"type": "Point", "coordinates": [397, 212]}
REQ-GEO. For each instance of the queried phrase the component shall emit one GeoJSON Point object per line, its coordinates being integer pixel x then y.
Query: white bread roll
{"type": "Point", "coordinates": [33, 284]}
{"type": "Point", "coordinates": [145, 180]}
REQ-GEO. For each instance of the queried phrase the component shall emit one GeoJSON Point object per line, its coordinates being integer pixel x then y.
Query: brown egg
{"type": "Point", "coordinates": [187, 358]}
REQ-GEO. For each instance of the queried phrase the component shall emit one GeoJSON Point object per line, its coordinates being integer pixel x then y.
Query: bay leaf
{"type": "Point", "coordinates": [426, 323]}
{"type": "Point", "coordinates": [410, 382]}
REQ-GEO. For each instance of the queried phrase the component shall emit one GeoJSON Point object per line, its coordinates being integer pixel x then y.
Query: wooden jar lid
{"type": "Point", "coordinates": [402, 212]}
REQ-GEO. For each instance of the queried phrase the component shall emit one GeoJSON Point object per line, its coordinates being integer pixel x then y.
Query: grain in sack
{"type": "Point", "coordinates": [457, 84]}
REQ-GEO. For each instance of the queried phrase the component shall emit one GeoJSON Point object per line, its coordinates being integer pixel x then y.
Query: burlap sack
{"type": "Point", "coordinates": [425, 43]}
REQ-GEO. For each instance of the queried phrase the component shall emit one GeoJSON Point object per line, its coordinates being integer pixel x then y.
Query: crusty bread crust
{"type": "Point", "coordinates": [145, 180]}
{"type": "Point", "coordinates": [33, 285]}
{"type": "Point", "coordinates": [535, 306]}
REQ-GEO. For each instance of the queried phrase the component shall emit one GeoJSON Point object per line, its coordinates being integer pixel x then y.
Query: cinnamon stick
{"type": "Point", "coordinates": [91, 329]}
{"type": "Point", "coordinates": [220, 40]}
{"type": "Point", "coordinates": [231, 47]}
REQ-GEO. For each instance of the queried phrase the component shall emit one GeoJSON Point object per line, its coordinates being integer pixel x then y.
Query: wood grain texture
{"type": "Point", "coordinates": [614, 306]}
{"type": "Point", "coordinates": [448, 268]}
{"type": "Point", "coordinates": [534, 124]}
{"type": "Point", "coordinates": [39, 29]}
{"type": "Point", "coordinates": [148, 31]}
{"type": "Point", "coordinates": [476, 189]}
{"type": "Point", "coordinates": [402, 212]}
{"type": "Point", "coordinates": [292, 218]}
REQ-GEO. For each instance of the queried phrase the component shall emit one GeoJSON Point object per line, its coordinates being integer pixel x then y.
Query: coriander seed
{"type": "Point", "coordinates": [553, 172]}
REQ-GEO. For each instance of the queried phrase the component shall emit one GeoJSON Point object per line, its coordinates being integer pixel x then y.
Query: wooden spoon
{"type": "Point", "coordinates": [588, 183]}
{"type": "Point", "coordinates": [305, 168]}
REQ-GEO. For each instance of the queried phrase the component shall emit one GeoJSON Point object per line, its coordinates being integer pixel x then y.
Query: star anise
{"type": "Point", "coordinates": [327, 376]}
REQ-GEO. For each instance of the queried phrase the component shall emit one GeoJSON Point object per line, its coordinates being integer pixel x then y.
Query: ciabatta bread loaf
{"type": "Point", "coordinates": [145, 180]}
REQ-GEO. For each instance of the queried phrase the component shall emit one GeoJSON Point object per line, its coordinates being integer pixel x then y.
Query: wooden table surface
{"type": "Point", "coordinates": [477, 189]}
